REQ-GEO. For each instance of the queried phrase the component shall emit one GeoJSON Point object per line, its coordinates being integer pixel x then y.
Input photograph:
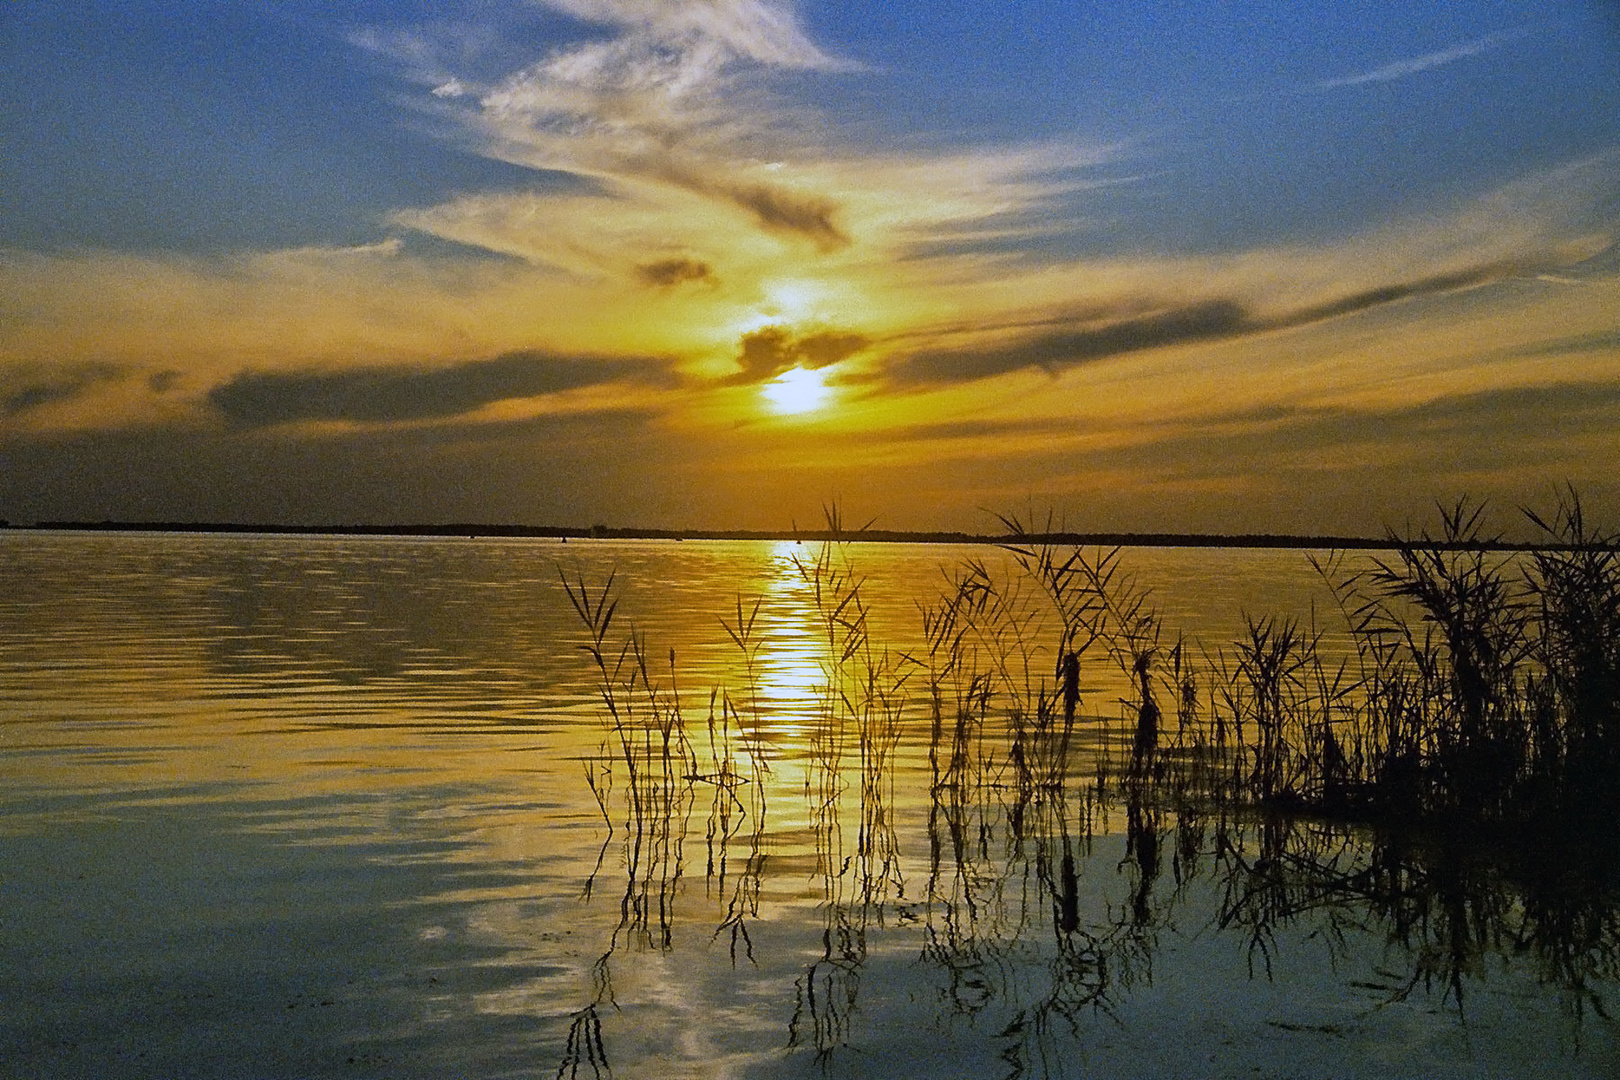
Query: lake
{"type": "Point", "coordinates": [305, 806]}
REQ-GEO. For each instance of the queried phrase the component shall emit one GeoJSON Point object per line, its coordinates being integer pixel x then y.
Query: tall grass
{"type": "Point", "coordinates": [1474, 725]}
{"type": "Point", "coordinates": [652, 761]}
{"type": "Point", "coordinates": [1456, 773]}
{"type": "Point", "coordinates": [1483, 687]}
{"type": "Point", "coordinates": [1004, 655]}
{"type": "Point", "coordinates": [1575, 593]}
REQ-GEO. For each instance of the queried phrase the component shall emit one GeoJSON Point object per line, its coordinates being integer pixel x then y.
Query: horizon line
{"type": "Point", "coordinates": [1104, 538]}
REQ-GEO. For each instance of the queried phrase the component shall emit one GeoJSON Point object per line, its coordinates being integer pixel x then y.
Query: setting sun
{"type": "Point", "coordinates": [797, 390]}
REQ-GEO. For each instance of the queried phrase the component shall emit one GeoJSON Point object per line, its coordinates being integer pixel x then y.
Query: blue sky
{"type": "Point", "coordinates": [1159, 265]}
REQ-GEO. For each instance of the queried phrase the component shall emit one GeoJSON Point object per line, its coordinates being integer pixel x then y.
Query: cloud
{"type": "Point", "coordinates": [771, 350]}
{"type": "Point", "coordinates": [1518, 231]}
{"type": "Point", "coordinates": [1551, 411]}
{"type": "Point", "coordinates": [1057, 349]}
{"type": "Point", "coordinates": [672, 97]}
{"type": "Point", "coordinates": [925, 320]}
{"type": "Point", "coordinates": [555, 469]}
{"type": "Point", "coordinates": [383, 394]}
{"type": "Point", "coordinates": [769, 33]}
{"type": "Point", "coordinates": [1489, 437]}
{"type": "Point", "coordinates": [1500, 431]}
{"type": "Point", "coordinates": [668, 81]}
{"type": "Point", "coordinates": [1401, 69]}
{"type": "Point", "coordinates": [1093, 337]}
{"type": "Point", "coordinates": [1606, 340]}
{"type": "Point", "coordinates": [777, 210]}
{"type": "Point", "coordinates": [931, 266]}
{"type": "Point", "coordinates": [61, 386]}
{"type": "Point", "coordinates": [1380, 295]}
{"type": "Point", "coordinates": [743, 217]}
{"type": "Point", "coordinates": [665, 115]}
{"type": "Point", "coordinates": [676, 271]}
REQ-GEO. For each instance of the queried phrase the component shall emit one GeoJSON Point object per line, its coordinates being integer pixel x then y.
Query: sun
{"type": "Point", "coordinates": [797, 390]}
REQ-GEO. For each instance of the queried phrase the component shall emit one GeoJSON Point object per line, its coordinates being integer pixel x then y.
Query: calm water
{"type": "Point", "coordinates": [304, 807]}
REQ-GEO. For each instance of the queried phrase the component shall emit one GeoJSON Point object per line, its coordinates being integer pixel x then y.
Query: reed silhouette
{"type": "Point", "coordinates": [1451, 779]}
{"type": "Point", "coordinates": [1483, 690]}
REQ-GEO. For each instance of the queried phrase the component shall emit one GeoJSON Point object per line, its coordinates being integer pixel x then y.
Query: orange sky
{"type": "Point", "coordinates": [712, 305]}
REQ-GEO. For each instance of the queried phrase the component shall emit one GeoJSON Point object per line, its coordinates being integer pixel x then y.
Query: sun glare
{"type": "Point", "coordinates": [792, 300]}
{"type": "Point", "coordinates": [797, 390]}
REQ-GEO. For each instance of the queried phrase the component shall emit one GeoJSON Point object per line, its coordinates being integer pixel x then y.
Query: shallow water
{"type": "Point", "coordinates": [294, 806]}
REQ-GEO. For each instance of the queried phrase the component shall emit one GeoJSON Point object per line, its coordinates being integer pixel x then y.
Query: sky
{"type": "Point", "coordinates": [1159, 266]}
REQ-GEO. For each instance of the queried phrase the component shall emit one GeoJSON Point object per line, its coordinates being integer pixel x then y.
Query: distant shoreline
{"type": "Point", "coordinates": [877, 536]}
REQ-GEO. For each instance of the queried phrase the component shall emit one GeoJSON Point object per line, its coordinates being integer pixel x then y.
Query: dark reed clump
{"type": "Point", "coordinates": [1474, 722]}
{"type": "Point", "coordinates": [1574, 590]}
{"type": "Point", "coordinates": [1275, 702]}
{"type": "Point", "coordinates": [1487, 685]}
{"type": "Point", "coordinates": [1480, 685]}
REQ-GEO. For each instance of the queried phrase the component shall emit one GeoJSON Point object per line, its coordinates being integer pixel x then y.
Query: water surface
{"type": "Point", "coordinates": [315, 806]}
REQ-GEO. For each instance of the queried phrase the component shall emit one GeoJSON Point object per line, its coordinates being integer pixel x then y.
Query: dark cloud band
{"type": "Point", "coordinates": [666, 273]}
{"type": "Point", "coordinates": [62, 386]}
{"type": "Point", "coordinates": [810, 217]}
{"type": "Point", "coordinates": [393, 394]}
{"type": "Point", "coordinates": [1055, 350]}
{"type": "Point", "coordinates": [1094, 338]}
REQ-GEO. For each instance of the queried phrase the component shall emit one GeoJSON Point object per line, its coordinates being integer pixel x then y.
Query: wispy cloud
{"type": "Point", "coordinates": [1131, 307]}
{"type": "Point", "coordinates": [1401, 69]}
{"type": "Point", "coordinates": [668, 113]}
{"type": "Point", "coordinates": [762, 30]}
{"type": "Point", "coordinates": [666, 93]}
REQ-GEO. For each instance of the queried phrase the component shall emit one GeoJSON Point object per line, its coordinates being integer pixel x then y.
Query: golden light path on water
{"type": "Point", "coordinates": [792, 661]}
{"type": "Point", "coordinates": [777, 673]}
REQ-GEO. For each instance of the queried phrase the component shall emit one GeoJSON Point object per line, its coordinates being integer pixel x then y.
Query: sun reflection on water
{"type": "Point", "coordinates": [791, 664]}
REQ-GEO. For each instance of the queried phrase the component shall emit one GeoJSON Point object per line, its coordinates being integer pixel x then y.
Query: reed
{"type": "Point", "coordinates": [1575, 591]}
{"type": "Point", "coordinates": [1448, 628]}
{"type": "Point", "coordinates": [652, 762]}
{"type": "Point", "coordinates": [584, 1048]}
{"type": "Point", "coordinates": [1482, 688]}
{"type": "Point", "coordinates": [1005, 654]}
{"type": "Point", "coordinates": [1477, 714]}
{"type": "Point", "coordinates": [1491, 683]}
{"type": "Point", "coordinates": [1476, 727]}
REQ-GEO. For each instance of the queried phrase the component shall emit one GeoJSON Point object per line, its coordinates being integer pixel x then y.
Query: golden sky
{"type": "Point", "coordinates": [717, 264]}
